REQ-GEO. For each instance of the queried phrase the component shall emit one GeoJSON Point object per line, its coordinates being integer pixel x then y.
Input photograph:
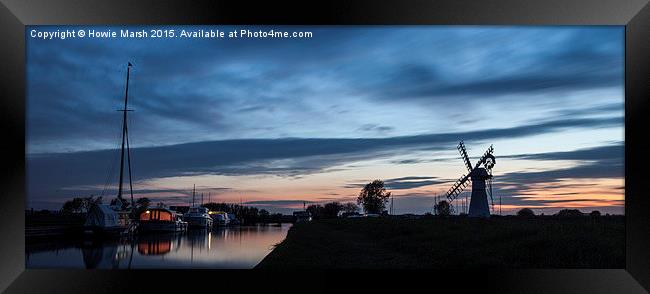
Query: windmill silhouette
{"type": "Point", "coordinates": [481, 177]}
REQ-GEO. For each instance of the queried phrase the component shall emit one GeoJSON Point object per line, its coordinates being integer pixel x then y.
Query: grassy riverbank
{"type": "Point", "coordinates": [49, 225]}
{"type": "Point", "coordinates": [540, 242]}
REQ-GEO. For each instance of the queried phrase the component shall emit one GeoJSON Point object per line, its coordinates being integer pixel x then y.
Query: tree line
{"type": "Point", "coordinates": [80, 204]}
{"type": "Point", "coordinates": [247, 214]}
{"type": "Point", "coordinates": [527, 212]}
{"type": "Point", "coordinates": [372, 198]}
{"type": "Point", "coordinates": [332, 210]}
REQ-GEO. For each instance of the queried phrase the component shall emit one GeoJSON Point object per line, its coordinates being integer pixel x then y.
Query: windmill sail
{"type": "Point", "coordinates": [457, 188]}
{"type": "Point", "coordinates": [463, 155]}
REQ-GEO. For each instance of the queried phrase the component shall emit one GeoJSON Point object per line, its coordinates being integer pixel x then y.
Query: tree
{"type": "Point", "coordinates": [569, 213]}
{"type": "Point", "coordinates": [329, 210]}
{"type": "Point", "coordinates": [525, 212]}
{"type": "Point", "coordinates": [276, 217]}
{"type": "Point", "coordinates": [143, 202]}
{"type": "Point", "coordinates": [442, 208]}
{"type": "Point", "coordinates": [264, 213]}
{"type": "Point", "coordinates": [140, 206]}
{"type": "Point", "coordinates": [71, 206]}
{"type": "Point", "coordinates": [332, 209]}
{"type": "Point", "coordinates": [87, 203]}
{"type": "Point", "coordinates": [595, 213]}
{"type": "Point", "coordinates": [80, 204]}
{"type": "Point", "coordinates": [373, 197]}
{"type": "Point", "coordinates": [350, 208]}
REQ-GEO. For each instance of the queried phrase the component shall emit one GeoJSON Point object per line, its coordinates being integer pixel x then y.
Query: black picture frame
{"type": "Point", "coordinates": [635, 15]}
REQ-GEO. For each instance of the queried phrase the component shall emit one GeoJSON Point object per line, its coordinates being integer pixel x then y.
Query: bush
{"type": "Point", "coordinates": [329, 210]}
{"type": "Point", "coordinates": [442, 208]}
{"type": "Point", "coordinates": [569, 213]}
{"type": "Point", "coordinates": [525, 212]}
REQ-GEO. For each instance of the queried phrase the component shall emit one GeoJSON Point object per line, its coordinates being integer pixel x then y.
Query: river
{"type": "Point", "coordinates": [232, 247]}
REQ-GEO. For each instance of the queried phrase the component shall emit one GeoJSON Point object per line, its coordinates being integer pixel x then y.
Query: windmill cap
{"type": "Point", "coordinates": [479, 172]}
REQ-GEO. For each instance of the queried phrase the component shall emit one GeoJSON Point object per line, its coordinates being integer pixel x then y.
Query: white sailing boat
{"type": "Point", "coordinates": [198, 216]}
{"type": "Point", "coordinates": [102, 218]}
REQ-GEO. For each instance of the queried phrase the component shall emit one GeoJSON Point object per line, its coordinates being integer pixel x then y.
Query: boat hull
{"type": "Point", "coordinates": [199, 222]}
{"type": "Point", "coordinates": [221, 223]}
{"type": "Point", "coordinates": [151, 226]}
{"type": "Point", "coordinates": [108, 231]}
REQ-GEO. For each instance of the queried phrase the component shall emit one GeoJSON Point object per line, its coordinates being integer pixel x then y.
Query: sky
{"type": "Point", "coordinates": [275, 123]}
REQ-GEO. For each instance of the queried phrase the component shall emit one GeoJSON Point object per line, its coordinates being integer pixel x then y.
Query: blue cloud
{"type": "Point", "coordinates": [197, 90]}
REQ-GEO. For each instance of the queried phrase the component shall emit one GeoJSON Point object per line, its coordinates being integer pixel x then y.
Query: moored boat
{"type": "Point", "coordinates": [198, 217]}
{"type": "Point", "coordinates": [220, 218]}
{"type": "Point", "coordinates": [232, 220]}
{"type": "Point", "coordinates": [161, 220]}
{"type": "Point", "coordinates": [108, 220]}
{"type": "Point", "coordinates": [114, 219]}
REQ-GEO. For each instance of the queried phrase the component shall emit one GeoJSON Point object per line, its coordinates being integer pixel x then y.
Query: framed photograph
{"type": "Point", "coordinates": [215, 146]}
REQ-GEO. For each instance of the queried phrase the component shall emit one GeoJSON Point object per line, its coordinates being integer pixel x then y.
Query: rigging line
{"type": "Point", "coordinates": [128, 150]}
{"type": "Point", "coordinates": [112, 162]}
{"type": "Point", "coordinates": [109, 174]}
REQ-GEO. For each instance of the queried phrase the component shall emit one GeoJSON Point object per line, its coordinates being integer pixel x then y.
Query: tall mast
{"type": "Point", "coordinates": [193, 191]}
{"type": "Point", "coordinates": [124, 139]}
{"type": "Point", "coordinates": [499, 204]}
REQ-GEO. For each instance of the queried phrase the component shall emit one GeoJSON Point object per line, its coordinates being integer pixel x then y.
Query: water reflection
{"type": "Point", "coordinates": [157, 246]}
{"type": "Point", "coordinates": [238, 247]}
{"type": "Point", "coordinates": [97, 254]}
